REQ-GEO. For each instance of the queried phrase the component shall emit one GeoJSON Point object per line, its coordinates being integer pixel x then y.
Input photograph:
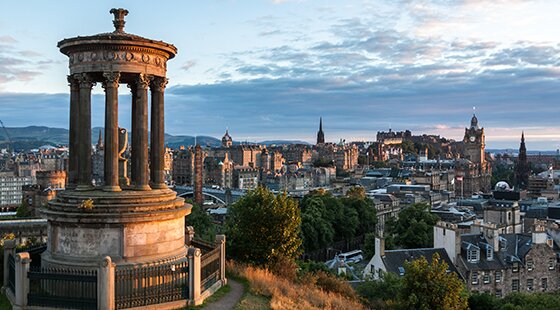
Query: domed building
{"type": "Point", "coordinates": [227, 141]}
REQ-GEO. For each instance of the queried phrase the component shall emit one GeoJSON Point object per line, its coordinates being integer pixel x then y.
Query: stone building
{"type": "Point", "coordinates": [245, 177]}
{"type": "Point", "coordinates": [49, 183]}
{"type": "Point", "coordinates": [183, 166]}
{"type": "Point", "coordinates": [98, 161]}
{"type": "Point", "coordinates": [498, 264]}
{"type": "Point", "coordinates": [227, 141]}
{"type": "Point", "coordinates": [473, 171]}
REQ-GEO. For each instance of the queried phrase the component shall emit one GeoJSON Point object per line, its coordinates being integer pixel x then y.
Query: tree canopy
{"type": "Point", "coordinates": [326, 218]}
{"type": "Point", "coordinates": [429, 286]}
{"type": "Point", "coordinates": [263, 227]}
{"type": "Point", "coordinates": [413, 228]}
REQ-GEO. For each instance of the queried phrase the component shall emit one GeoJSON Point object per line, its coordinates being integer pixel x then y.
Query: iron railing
{"type": "Point", "coordinates": [204, 246]}
{"type": "Point", "coordinates": [152, 284]}
{"type": "Point", "coordinates": [12, 273]}
{"type": "Point", "coordinates": [57, 288]}
{"type": "Point", "coordinates": [209, 268]}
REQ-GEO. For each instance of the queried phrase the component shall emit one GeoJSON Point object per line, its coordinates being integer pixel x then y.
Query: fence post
{"type": "Point", "coordinates": [189, 235]}
{"type": "Point", "coordinates": [194, 276]}
{"type": "Point", "coordinates": [9, 248]}
{"type": "Point", "coordinates": [221, 242]}
{"type": "Point", "coordinates": [22, 282]}
{"type": "Point", "coordinates": [106, 284]}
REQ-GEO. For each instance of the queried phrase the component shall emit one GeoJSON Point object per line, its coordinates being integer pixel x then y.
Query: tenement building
{"type": "Point", "coordinates": [500, 263]}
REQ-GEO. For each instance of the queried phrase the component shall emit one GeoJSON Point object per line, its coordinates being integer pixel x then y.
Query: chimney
{"type": "Point", "coordinates": [380, 247]}
{"type": "Point", "coordinates": [198, 175]}
{"type": "Point", "coordinates": [539, 235]}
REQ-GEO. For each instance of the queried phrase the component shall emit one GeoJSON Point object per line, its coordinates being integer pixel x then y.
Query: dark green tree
{"type": "Point", "coordinates": [202, 223]}
{"type": "Point", "coordinates": [24, 210]}
{"type": "Point", "coordinates": [369, 245]}
{"type": "Point", "coordinates": [413, 228]}
{"type": "Point", "coordinates": [262, 228]}
{"type": "Point", "coordinates": [382, 291]}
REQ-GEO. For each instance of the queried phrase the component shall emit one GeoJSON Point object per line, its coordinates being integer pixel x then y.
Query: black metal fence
{"type": "Point", "coordinates": [149, 285]}
{"type": "Point", "coordinates": [12, 273]}
{"type": "Point", "coordinates": [209, 269]}
{"type": "Point", "coordinates": [57, 288]}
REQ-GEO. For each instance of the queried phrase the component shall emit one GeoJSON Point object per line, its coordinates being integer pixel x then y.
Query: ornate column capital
{"type": "Point", "coordinates": [143, 81]}
{"type": "Point", "coordinates": [85, 80]}
{"type": "Point", "coordinates": [158, 84]}
{"type": "Point", "coordinates": [73, 82]}
{"type": "Point", "coordinates": [111, 79]}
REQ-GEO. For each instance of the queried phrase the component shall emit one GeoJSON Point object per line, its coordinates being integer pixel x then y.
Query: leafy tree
{"type": "Point", "coordinates": [369, 245]}
{"type": "Point", "coordinates": [364, 207]}
{"type": "Point", "coordinates": [382, 291]}
{"type": "Point", "coordinates": [317, 231]}
{"type": "Point", "coordinates": [356, 192]}
{"type": "Point", "coordinates": [429, 286]}
{"type": "Point", "coordinates": [24, 210]}
{"type": "Point", "coordinates": [483, 301]}
{"type": "Point", "coordinates": [202, 223]}
{"type": "Point", "coordinates": [262, 227]}
{"type": "Point", "coordinates": [413, 228]}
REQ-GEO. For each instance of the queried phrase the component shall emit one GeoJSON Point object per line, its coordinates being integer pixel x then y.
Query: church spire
{"type": "Point", "coordinates": [320, 134]}
{"type": "Point", "coordinates": [100, 141]}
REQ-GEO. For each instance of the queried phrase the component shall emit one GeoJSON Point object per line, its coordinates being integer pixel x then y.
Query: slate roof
{"type": "Point", "coordinates": [394, 259]}
{"type": "Point", "coordinates": [516, 248]}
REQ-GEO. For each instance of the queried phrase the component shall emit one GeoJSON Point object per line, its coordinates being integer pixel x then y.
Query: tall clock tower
{"type": "Point", "coordinates": [474, 144]}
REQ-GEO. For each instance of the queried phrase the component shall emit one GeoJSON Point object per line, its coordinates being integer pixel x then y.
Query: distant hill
{"type": "Point", "coordinates": [30, 137]}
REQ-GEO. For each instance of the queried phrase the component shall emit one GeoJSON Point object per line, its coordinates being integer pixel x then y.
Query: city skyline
{"type": "Point", "coordinates": [270, 69]}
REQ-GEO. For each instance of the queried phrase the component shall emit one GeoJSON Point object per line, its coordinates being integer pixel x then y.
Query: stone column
{"type": "Point", "coordinates": [22, 261]}
{"type": "Point", "coordinates": [194, 256]}
{"type": "Point", "coordinates": [133, 155]}
{"type": "Point", "coordinates": [140, 134]}
{"type": "Point", "coordinates": [157, 150]}
{"type": "Point", "coordinates": [84, 134]}
{"type": "Point", "coordinates": [106, 284]}
{"type": "Point", "coordinates": [74, 129]}
{"type": "Point", "coordinates": [111, 160]}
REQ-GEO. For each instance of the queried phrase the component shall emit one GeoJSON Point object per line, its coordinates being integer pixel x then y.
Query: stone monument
{"type": "Point", "coordinates": [134, 221]}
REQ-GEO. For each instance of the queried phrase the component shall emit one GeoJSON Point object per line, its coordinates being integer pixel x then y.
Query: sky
{"type": "Point", "coordinates": [269, 69]}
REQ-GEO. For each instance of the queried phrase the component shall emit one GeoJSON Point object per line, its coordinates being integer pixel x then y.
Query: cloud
{"type": "Point", "coordinates": [188, 65]}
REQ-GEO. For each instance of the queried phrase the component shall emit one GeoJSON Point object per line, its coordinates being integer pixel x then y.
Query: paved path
{"type": "Point", "coordinates": [230, 300]}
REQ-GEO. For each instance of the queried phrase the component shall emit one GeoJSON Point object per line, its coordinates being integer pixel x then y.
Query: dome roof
{"type": "Point", "coordinates": [502, 186]}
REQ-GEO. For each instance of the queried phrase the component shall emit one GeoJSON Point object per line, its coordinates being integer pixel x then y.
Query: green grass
{"type": "Point", "coordinates": [215, 297]}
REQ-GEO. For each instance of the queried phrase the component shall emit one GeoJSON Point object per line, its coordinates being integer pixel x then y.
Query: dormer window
{"type": "Point", "coordinates": [551, 264]}
{"type": "Point", "coordinates": [473, 255]}
{"type": "Point", "coordinates": [489, 252]}
{"type": "Point", "coordinates": [401, 271]}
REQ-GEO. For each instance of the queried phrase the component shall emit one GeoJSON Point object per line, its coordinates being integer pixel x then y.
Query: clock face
{"type": "Point", "coordinates": [472, 138]}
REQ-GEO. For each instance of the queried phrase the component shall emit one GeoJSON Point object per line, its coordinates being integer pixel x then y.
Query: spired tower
{"type": "Point", "coordinates": [320, 134]}
{"type": "Point", "coordinates": [522, 166]}
{"type": "Point", "coordinates": [136, 222]}
{"type": "Point", "coordinates": [476, 175]}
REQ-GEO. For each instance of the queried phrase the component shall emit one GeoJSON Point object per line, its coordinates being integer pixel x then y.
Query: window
{"type": "Point", "coordinates": [489, 252]}
{"type": "Point", "coordinates": [498, 276]}
{"type": "Point", "coordinates": [509, 216]}
{"type": "Point", "coordinates": [474, 277]}
{"type": "Point", "coordinates": [529, 284]}
{"type": "Point", "coordinates": [473, 255]}
{"type": "Point", "coordinates": [544, 283]}
{"type": "Point", "coordinates": [515, 285]}
{"type": "Point", "coordinates": [551, 264]}
{"type": "Point", "coordinates": [499, 293]}
{"type": "Point", "coordinates": [515, 267]}
{"type": "Point", "coordinates": [486, 278]}
{"type": "Point", "coordinates": [530, 265]}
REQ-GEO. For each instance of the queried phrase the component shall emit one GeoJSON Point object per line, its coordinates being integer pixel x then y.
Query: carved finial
{"type": "Point", "coordinates": [119, 22]}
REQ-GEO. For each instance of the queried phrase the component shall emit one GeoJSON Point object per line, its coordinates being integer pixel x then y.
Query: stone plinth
{"type": "Point", "coordinates": [132, 227]}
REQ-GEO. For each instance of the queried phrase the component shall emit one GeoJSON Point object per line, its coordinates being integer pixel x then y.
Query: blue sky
{"type": "Point", "coordinates": [269, 69]}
